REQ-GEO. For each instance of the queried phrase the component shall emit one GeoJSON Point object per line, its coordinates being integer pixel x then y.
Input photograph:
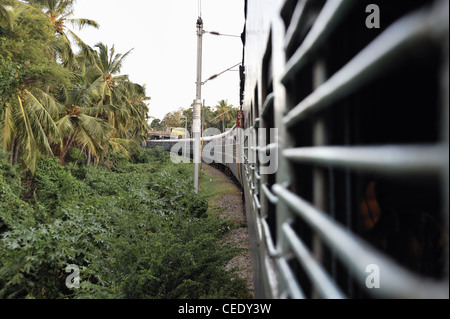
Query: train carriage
{"type": "Point", "coordinates": [358, 90]}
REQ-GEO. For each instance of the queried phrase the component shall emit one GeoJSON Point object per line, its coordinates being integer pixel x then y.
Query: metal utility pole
{"type": "Point", "coordinates": [197, 105]}
{"type": "Point", "coordinates": [202, 131]}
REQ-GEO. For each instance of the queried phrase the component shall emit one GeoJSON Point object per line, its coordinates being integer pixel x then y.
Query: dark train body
{"type": "Point", "coordinates": [343, 157]}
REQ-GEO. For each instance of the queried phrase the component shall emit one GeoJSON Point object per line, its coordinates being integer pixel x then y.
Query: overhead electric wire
{"type": "Point", "coordinates": [222, 34]}
{"type": "Point", "coordinates": [216, 75]}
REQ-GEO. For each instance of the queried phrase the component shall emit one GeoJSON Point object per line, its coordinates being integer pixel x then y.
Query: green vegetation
{"type": "Point", "coordinates": [213, 187]}
{"type": "Point", "coordinates": [53, 100]}
{"type": "Point", "coordinates": [75, 186]}
{"type": "Point", "coordinates": [136, 230]}
{"type": "Point", "coordinates": [221, 118]}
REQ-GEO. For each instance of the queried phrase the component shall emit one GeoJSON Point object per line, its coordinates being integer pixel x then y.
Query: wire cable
{"type": "Point", "coordinates": [216, 75]}
{"type": "Point", "coordinates": [222, 34]}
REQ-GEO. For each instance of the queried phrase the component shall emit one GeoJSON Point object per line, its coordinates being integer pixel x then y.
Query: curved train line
{"type": "Point", "coordinates": [343, 157]}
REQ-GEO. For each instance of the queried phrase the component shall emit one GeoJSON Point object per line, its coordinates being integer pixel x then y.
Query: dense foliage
{"type": "Point", "coordinates": [75, 186]}
{"type": "Point", "coordinates": [134, 230]}
{"type": "Point", "coordinates": [52, 99]}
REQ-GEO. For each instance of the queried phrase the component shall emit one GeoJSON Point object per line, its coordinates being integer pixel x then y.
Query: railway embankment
{"type": "Point", "coordinates": [226, 202]}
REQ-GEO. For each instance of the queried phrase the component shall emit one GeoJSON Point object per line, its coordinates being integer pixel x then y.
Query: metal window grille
{"type": "Point", "coordinates": [363, 119]}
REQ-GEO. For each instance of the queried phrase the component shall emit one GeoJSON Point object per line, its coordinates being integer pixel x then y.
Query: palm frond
{"type": "Point", "coordinates": [86, 50]}
{"type": "Point", "coordinates": [119, 145]}
{"type": "Point", "coordinates": [87, 141]}
{"type": "Point", "coordinates": [41, 114]}
{"type": "Point", "coordinates": [5, 18]}
{"type": "Point", "coordinates": [81, 23]}
{"type": "Point", "coordinates": [65, 125]}
{"type": "Point", "coordinates": [116, 64]}
{"type": "Point", "coordinates": [9, 128]}
{"type": "Point", "coordinates": [94, 126]}
{"type": "Point", "coordinates": [28, 142]}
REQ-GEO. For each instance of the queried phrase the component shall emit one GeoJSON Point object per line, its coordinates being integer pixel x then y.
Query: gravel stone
{"type": "Point", "coordinates": [233, 209]}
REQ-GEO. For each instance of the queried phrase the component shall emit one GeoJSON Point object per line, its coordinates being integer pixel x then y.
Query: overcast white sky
{"type": "Point", "coordinates": [163, 35]}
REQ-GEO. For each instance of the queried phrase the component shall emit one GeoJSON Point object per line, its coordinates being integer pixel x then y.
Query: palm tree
{"type": "Point", "coordinates": [5, 19]}
{"type": "Point", "coordinates": [29, 126]}
{"type": "Point", "coordinates": [28, 119]}
{"type": "Point", "coordinates": [47, 109]}
{"type": "Point", "coordinates": [224, 110]}
{"type": "Point", "coordinates": [78, 128]}
{"type": "Point", "coordinates": [112, 98]}
{"type": "Point", "coordinates": [108, 65]}
{"type": "Point", "coordinates": [134, 97]}
{"type": "Point", "coordinates": [58, 11]}
{"type": "Point", "coordinates": [110, 87]}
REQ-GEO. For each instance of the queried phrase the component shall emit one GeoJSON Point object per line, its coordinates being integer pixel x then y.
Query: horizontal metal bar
{"type": "Point", "coordinates": [268, 148]}
{"type": "Point", "coordinates": [250, 183]}
{"type": "Point", "coordinates": [259, 229]}
{"type": "Point", "coordinates": [271, 274]}
{"type": "Point", "coordinates": [386, 51]}
{"type": "Point", "coordinates": [257, 204]}
{"type": "Point", "coordinates": [268, 103]}
{"type": "Point", "coordinates": [294, 27]}
{"type": "Point", "coordinates": [269, 242]}
{"type": "Point", "coordinates": [289, 279]}
{"type": "Point", "coordinates": [396, 281]}
{"type": "Point", "coordinates": [317, 274]}
{"type": "Point", "coordinates": [257, 123]}
{"type": "Point", "coordinates": [332, 13]}
{"type": "Point", "coordinates": [396, 159]}
{"type": "Point", "coordinates": [270, 196]}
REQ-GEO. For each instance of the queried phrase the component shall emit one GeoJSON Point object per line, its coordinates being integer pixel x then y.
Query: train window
{"type": "Point", "coordinates": [363, 138]}
{"type": "Point", "coordinates": [287, 11]}
{"type": "Point", "coordinates": [399, 216]}
{"type": "Point", "coordinates": [300, 86]}
{"type": "Point", "coordinates": [267, 74]}
{"type": "Point", "coordinates": [349, 37]}
{"type": "Point", "coordinates": [305, 14]}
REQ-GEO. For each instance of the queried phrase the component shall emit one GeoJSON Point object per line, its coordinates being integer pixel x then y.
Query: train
{"type": "Point", "coordinates": [342, 148]}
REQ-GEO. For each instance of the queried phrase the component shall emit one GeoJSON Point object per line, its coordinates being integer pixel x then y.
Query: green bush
{"type": "Point", "coordinates": [113, 160]}
{"type": "Point", "coordinates": [155, 154]}
{"type": "Point", "coordinates": [138, 233]}
{"type": "Point", "coordinates": [55, 187]}
{"type": "Point", "coordinates": [75, 155]}
{"type": "Point", "coordinates": [13, 210]}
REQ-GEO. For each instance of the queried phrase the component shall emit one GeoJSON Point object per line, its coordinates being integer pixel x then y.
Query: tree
{"type": "Point", "coordinates": [174, 119]}
{"type": "Point", "coordinates": [48, 105]}
{"type": "Point", "coordinates": [189, 114]}
{"type": "Point", "coordinates": [210, 118]}
{"type": "Point", "coordinates": [224, 112]}
{"type": "Point", "coordinates": [29, 111]}
{"type": "Point", "coordinates": [5, 19]}
{"type": "Point", "coordinates": [58, 13]}
{"type": "Point", "coordinates": [104, 74]}
{"type": "Point", "coordinates": [78, 128]}
{"type": "Point", "coordinates": [156, 125]}
{"type": "Point", "coordinates": [133, 99]}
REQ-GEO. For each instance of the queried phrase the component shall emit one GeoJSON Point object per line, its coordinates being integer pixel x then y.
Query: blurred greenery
{"type": "Point", "coordinates": [135, 231]}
